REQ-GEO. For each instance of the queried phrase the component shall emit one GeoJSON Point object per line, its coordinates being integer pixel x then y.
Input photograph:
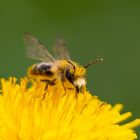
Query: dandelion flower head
{"type": "Point", "coordinates": [61, 115]}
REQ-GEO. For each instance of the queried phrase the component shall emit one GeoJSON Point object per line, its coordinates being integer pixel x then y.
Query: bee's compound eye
{"type": "Point", "coordinates": [69, 76]}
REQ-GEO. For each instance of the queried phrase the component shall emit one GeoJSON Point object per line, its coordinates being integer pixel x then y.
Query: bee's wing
{"type": "Point", "coordinates": [60, 49]}
{"type": "Point", "coordinates": [36, 50]}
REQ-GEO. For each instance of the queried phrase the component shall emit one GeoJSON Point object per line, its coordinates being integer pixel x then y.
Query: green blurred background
{"type": "Point", "coordinates": [108, 29]}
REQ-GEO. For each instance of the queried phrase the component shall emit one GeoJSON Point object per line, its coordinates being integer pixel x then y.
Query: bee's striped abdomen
{"type": "Point", "coordinates": [43, 69]}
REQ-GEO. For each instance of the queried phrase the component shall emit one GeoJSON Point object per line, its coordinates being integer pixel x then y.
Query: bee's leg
{"type": "Point", "coordinates": [44, 95]}
{"type": "Point", "coordinates": [52, 83]}
{"type": "Point", "coordinates": [79, 89]}
{"type": "Point", "coordinates": [46, 87]}
{"type": "Point", "coordinates": [47, 82]}
{"type": "Point", "coordinates": [63, 87]}
{"type": "Point", "coordinates": [82, 89]}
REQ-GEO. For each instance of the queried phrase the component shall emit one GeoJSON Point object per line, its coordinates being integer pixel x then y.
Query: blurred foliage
{"type": "Point", "coordinates": [108, 29]}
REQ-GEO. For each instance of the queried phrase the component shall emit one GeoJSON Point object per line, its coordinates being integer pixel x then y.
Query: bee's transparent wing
{"type": "Point", "coordinates": [36, 50]}
{"type": "Point", "coordinates": [60, 49]}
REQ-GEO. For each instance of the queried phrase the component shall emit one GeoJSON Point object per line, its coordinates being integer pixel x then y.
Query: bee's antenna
{"type": "Point", "coordinates": [99, 60]}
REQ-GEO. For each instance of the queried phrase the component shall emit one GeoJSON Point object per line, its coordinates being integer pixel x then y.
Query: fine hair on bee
{"type": "Point", "coordinates": [57, 67]}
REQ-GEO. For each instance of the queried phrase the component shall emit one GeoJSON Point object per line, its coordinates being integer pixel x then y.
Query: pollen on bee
{"type": "Point", "coordinates": [80, 82]}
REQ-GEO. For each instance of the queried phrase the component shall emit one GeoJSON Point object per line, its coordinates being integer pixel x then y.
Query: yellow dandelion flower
{"type": "Point", "coordinates": [28, 112]}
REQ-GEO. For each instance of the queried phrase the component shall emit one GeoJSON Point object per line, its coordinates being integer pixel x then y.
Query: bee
{"type": "Point", "coordinates": [52, 69]}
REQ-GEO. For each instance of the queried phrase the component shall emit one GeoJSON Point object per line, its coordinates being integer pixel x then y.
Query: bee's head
{"type": "Point", "coordinates": [76, 75]}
